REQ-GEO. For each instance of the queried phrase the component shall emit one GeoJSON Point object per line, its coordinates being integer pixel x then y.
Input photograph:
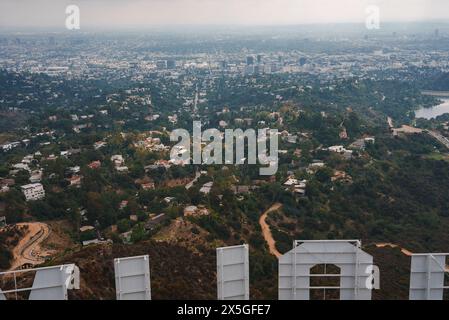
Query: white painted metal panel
{"type": "Point", "coordinates": [132, 278]}
{"type": "Point", "coordinates": [427, 276]}
{"type": "Point", "coordinates": [233, 273]}
{"type": "Point", "coordinates": [295, 267]}
{"type": "Point", "coordinates": [52, 283]}
{"type": "Point", "coordinates": [49, 283]}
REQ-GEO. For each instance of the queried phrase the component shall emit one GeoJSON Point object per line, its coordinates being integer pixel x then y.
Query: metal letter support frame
{"type": "Point", "coordinates": [354, 264]}
{"type": "Point", "coordinates": [427, 272]}
{"type": "Point", "coordinates": [233, 273]}
{"type": "Point", "coordinates": [50, 283]}
{"type": "Point", "coordinates": [132, 278]}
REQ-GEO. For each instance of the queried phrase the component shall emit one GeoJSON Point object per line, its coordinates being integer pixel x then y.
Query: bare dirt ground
{"type": "Point", "coordinates": [407, 130]}
{"type": "Point", "coordinates": [179, 232]}
{"type": "Point", "coordinates": [59, 239]}
{"type": "Point", "coordinates": [29, 250]}
{"type": "Point", "coordinates": [267, 232]}
{"type": "Point", "coordinates": [176, 182]}
{"type": "Point", "coordinates": [40, 241]}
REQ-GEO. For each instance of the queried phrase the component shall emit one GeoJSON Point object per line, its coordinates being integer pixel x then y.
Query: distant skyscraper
{"type": "Point", "coordinates": [250, 60]}
{"type": "Point", "coordinates": [259, 58]}
{"type": "Point", "coordinates": [171, 64]}
{"type": "Point", "coordinates": [258, 69]}
{"type": "Point", "coordinates": [249, 70]}
{"type": "Point", "coordinates": [281, 60]}
{"type": "Point", "coordinates": [161, 64]}
{"type": "Point", "coordinates": [274, 67]}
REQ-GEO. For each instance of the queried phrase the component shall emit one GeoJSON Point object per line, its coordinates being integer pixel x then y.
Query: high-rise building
{"type": "Point", "coordinates": [171, 64]}
{"type": "Point", "coordinates": [249, 70]}
{"type": "Point", "coordinates": [259, 58]}
{"type": "Point", "coordinates": [161, 64]}
{"type": "Point", "coordinates": [250, 60]}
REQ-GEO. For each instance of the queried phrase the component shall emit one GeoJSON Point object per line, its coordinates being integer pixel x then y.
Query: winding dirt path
{"type": "Point", "coordinates": [28, 250]}
{"type": "Point", "coordinates": [272, 243]}
{"type": "Point", "coordinates": [266, 230]}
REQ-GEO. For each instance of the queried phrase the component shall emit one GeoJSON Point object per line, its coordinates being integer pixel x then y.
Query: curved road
{"type": "Point", "coordinates": [266, 230]}
{"type": "Point", "coordinates": [27, 250]}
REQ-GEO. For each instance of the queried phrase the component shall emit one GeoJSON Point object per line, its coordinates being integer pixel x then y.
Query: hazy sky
{"type": "Point", "coordinates": [118, 13]}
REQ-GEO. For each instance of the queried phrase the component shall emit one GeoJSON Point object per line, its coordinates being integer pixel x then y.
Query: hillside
{"type": "Point", "coordinates": [9, 238]}
{"type": "Point", "coordinates": [176, 273]}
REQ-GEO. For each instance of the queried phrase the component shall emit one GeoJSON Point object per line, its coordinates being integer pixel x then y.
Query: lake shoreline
{"type": "Point", "coordinates": [437, 110]}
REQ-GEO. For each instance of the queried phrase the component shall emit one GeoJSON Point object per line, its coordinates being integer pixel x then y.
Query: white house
{"type": "Point", "coordinates": [117, 160]}
{"type": "Point", "coordinates": [341, 150]}
{"type": "Point", "coordinates": [36, 176]}
{"type": "Point", "coordinates": [206, 187]}
{"type": "Point", "coordinates": [338, 149]}
{"type": "Point", "coordinates": [34, 191]}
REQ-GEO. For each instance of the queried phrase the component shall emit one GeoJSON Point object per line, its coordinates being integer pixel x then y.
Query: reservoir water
{"type": "Point", "coordinates": [430, 113]}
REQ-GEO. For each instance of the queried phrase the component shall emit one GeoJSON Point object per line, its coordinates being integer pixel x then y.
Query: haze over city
{"type": "Point", "coordinates": [144, 13]}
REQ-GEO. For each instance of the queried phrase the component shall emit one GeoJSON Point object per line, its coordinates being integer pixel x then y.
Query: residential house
{"type": "Point", "coordinates": [95, 164]}
{"type": "Point", "coordinates": [169, 200]}
{"type": "Point", "coordinates": [36, 176]}
{"type": "Point", "coordinates": [99, 145]}
{"type": "Point", "coordinates": [240, 189]}
{"type": "Point", "coordinates": [75, 181]}
{"type": "Point", "coordinates": [33, 191]}
{"type": "Point", "coordinates": [122, 169]}
{"type": "Point", "coordinates": [296, 186]}
{"type": "Point", "coordinates": [341, 150]}
{"type": "Point", "coordinates": [196, 211]}
{"type": "Point", "coordinates": [87, 228]}
{"type": "Point", "coordinates": [148, 186]}
{"type": "Point", "coordinates": [206, 188]}
{"type": "Point", "coordinates": [117, 160]}
{"type": "Point", "coordinates": [361, 144]}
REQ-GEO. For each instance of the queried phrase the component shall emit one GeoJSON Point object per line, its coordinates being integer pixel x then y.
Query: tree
{"type": "Point", "coordinates": [138, 233]}
{"type": "Point", "coordinates": [324, 175]}
{"type": "Point", "coordinates": [123, 225]}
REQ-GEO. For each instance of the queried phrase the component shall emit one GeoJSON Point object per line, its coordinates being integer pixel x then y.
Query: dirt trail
{"type": "Point", "coordinates": [404, 251]}
{"type": "Point", "coordinates": [267, 232]}
{"type": "Point", "coordinates": [392, 245]}
{"type": "Point", "coordinates": [272, 243]}
{"type": "Point", "coordinates": [28, 249]}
